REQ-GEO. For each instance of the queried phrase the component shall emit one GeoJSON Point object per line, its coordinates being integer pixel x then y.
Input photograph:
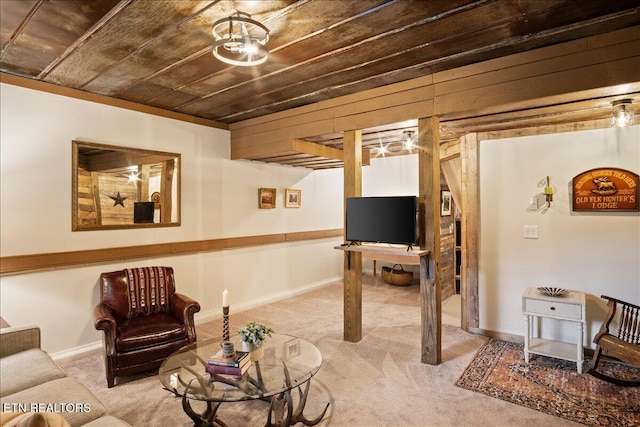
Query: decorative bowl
{"type": "Point", "coordinates": [553, 292]}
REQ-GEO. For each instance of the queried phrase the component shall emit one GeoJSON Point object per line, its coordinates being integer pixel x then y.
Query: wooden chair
{"type": "Point", "coordinates": [624, 344]}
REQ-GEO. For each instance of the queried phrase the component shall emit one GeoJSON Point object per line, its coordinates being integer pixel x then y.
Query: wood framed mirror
{"type": "Point", "coordinates": [117, 187]}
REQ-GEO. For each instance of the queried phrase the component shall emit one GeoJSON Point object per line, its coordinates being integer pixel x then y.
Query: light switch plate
{"type": "Point", "coordinates": [530, 231]}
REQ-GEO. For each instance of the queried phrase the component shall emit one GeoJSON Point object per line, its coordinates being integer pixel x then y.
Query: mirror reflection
{"type": "Point", "coordinates": [118, 187]}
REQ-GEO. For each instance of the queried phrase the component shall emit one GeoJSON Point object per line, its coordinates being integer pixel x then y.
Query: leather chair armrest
{"type": "Point", "coordinates": [15, 339]}
{"type": "Point", "coordinates": [184, 308]}
{"type": "Point", "coordinates": [103, 318]}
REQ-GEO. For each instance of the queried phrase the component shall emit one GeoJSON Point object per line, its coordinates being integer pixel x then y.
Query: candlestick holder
{"type": "Point", "coordinates": [225, 323]}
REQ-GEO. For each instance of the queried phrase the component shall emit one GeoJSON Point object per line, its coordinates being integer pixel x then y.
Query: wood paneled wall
{"type": "Point", "coordinates": [551, 76]}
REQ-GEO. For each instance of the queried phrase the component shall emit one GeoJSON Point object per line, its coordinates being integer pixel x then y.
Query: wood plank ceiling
{"type": "Point", "coordinates": [158, 53]}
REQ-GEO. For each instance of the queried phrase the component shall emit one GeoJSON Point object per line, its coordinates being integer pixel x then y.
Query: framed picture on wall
{"type": "Point", "coordinates": [292, 198]}
{"type": "Point", "coordinates": [445, 203]}
{"type": "Point", "coordinates": [267, 198]}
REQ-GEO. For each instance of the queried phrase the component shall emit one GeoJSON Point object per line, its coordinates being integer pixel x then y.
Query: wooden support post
{"type": "Point", "coordinates": [470, 231]}
{"type": "Point", "coordinates": [166, 190]}
{"type": "Point", "coordinates": [95, 190]}
{"type": "Point", "coordinates": [142, 185]}
{"type": "Point", "coordinates": [353, 260]}
{"type": "Point", "coordinates": [429, 205]}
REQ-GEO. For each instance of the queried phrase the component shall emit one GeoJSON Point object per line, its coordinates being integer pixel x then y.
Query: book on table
{"type": "Point", "coordinates": [228, 370]}
{"type": "Point", "coordinates": [237, 360]}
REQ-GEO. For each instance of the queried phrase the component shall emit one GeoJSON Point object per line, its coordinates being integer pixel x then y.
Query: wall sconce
{"type": "Point", "coordinates": [541, 202]}
{"type": "Point", "coordinates": [548, 192]}
{"type": "Point", "coordinates": [621, 115]}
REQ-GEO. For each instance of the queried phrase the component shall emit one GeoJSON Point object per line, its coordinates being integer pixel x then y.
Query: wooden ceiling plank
{"type": "Point", "coordinates": [99, 25]}
{"type": "Point", "coordinates": [341, 60]}
{"type": "Point", "coordinates": [581, 55]}
{"type": "Point", "coordinates": [362, 25]}
{"type": "Point", "coordinates": [163, 50]}
{"type": "Point", "coordinates": [508, 90]}
{"type": "Point", "coordinates": [317, 149]}
{"type": "Point", "coordinates": [285, 158]}
{"type": "Point", "coordinates": [13, 22]}
{"type": "Point", "coordinates": [272, 149]}
{"type": "Point", "coordinates": [320, 150]}
{"type": "Point", "coordinates": [46, 32]}
{"type": "Point", "coordinates": [328, 83]}
{"type": "Point", "coordinates": [278, 135]}
{"type": "Point", "coordinates": [341, 66]}
{"type": "Point", "coordinates": [415, 95]}
{"type": "Point", "coordinates": [394, 113]}
{"type": "Point", "coordinates": [118, 40]}
{"type": "Point", "coordinates": [487, 98]}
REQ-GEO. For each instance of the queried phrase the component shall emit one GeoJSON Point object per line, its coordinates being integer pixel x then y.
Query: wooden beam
{"type": "Point", "coordinates": [19, 264]}
{"type": "Point", "coordinates": [321, 150]}
{"type": "Point", "coordinates": [95, 191]}
{"type": "Point", "coordinates": [451, 169]}
{"type": "Point", "coordinates": [166, 191]}
{"type": "Point", "coordinates": [429, 205]}
{"type": "Point", "coordinates": [142, 185]}
{"type": "Point", "coordinates": [353, 260]}
{"type": "Point", "coordinates": [449, 150]}
{"type": "Point", "coordinates": [122, 159]}
{"type": "Point", "coordinates": [470, 231]}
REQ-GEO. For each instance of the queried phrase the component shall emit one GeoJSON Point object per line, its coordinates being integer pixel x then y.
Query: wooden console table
{"type": "Point", "coordinates": [431, 329]}
{"type": "Point", "coordinates": [395, 257]}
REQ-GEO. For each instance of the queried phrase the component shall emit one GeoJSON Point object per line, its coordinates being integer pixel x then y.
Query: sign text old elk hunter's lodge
{"type": "Point", "coordinates": [605, 189]}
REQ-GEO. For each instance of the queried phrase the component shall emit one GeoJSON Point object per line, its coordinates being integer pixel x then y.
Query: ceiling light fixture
{"type": "Point", "coordinates": [621, 115]}
{"type": "Point", "coordinates": [239, 40]}
{"type": "Point", "coordinates": [409, 139]}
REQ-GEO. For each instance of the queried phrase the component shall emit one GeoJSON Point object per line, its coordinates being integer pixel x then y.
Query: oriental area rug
{"type": "Point", "coordinates": [553, 386]}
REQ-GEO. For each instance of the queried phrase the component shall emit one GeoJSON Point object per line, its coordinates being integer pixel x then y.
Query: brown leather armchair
{"type": "Point", "coordinates": [143, 318]}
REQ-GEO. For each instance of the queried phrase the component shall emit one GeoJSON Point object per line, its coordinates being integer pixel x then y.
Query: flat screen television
{"type": "Point", "coordinates": [390, 219]}
{"type": "Point", "coordinates": [143, 212]}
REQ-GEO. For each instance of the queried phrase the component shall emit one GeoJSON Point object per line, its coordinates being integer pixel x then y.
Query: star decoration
{"type": "Point", "coordinates": [118, 199]}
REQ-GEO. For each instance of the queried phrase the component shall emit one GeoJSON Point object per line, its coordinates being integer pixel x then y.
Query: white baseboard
{"type": "Point", "coordinates": [211, 315]}
{"type": "Point", "coordinates": [202, 317]}
{"type": "Point", "coordinates": [78, 352]}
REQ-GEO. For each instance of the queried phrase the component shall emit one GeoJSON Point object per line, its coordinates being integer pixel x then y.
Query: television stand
{"type": "Point", "coordinates": [353, 302]}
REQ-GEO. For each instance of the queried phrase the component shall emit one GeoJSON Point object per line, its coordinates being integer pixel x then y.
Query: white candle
{"type": "Point", "coordinates": [225, 298]}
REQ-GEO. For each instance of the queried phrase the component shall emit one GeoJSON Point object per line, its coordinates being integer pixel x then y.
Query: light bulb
{"type": "Point", "coordinates": [621, 117]}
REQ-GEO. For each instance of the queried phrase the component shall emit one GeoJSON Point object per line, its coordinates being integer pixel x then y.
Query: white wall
{"type": "Point", "coordinates": [391, 176]}
{"type": "Point", "coordinates": [596, 253]}
{"type": "Point", "coordinates": [219, 199]}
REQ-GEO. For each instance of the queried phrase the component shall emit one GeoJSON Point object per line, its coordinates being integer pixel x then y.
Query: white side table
{"type": "Point", "coordinates": [571, 307]}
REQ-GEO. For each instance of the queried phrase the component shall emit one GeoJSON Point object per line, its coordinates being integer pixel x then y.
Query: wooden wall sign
{"type": "Point", "coordinates": [605, 189]}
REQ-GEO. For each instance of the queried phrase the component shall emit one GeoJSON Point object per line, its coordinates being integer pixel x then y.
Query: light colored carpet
{"type": "Point", "coordinates": [378, 381]}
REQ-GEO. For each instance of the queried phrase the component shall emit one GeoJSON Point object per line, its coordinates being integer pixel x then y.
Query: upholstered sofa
{"type": "Point", "coordinates": [30, 381]}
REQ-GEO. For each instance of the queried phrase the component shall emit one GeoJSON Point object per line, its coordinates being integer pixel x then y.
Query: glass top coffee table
{"type": "Point", "coordinates": [288, 363]}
